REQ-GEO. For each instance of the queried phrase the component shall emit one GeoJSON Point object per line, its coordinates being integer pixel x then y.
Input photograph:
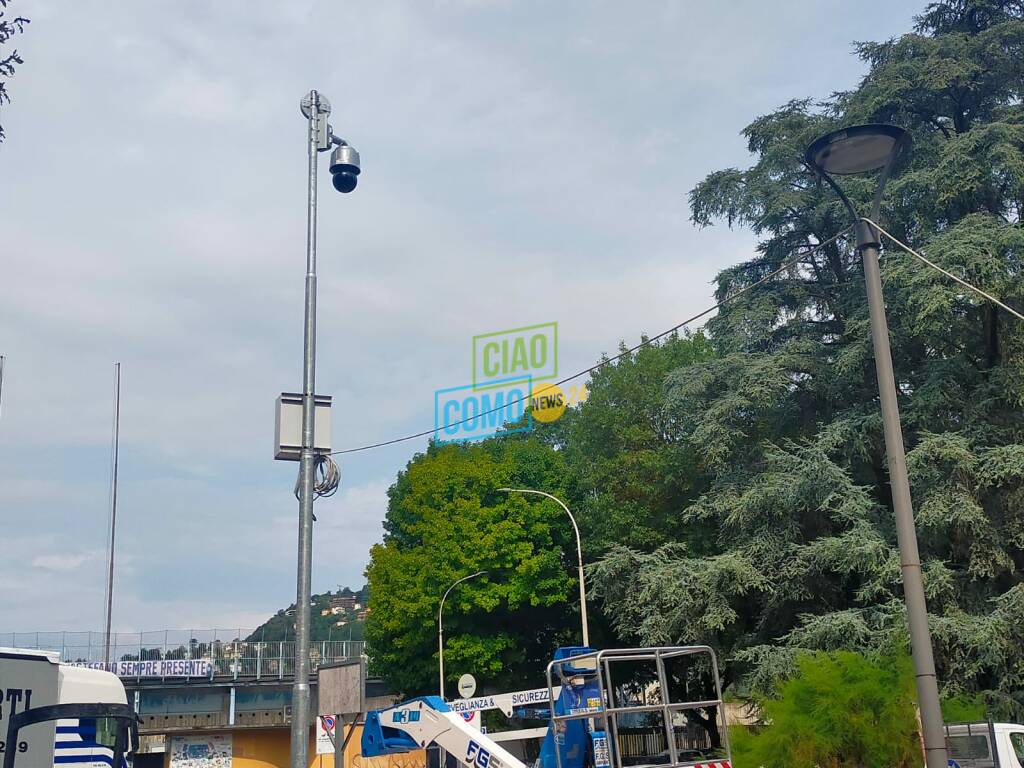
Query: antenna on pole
{"type": "Point", "coordinates": [113, 516]}
{"type": "Point", "coordinates": [1, 385]}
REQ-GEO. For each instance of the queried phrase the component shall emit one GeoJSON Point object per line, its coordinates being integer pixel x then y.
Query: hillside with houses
{"type": "Point", "coordinates": [338, 615]}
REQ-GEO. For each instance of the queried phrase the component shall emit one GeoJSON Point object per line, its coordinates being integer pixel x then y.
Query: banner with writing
{"type": "Point", "coordinates": [156, 668]}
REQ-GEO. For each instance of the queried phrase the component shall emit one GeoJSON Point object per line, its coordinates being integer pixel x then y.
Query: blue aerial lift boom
{"type": "Point", "coordinates": [585, 716]}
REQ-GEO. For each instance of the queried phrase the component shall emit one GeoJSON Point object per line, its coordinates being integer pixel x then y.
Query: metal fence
{"type": "Point", "coordinates": [230, 655]}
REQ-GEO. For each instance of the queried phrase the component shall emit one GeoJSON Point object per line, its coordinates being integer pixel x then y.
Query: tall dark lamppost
{"type": "Point", "coordinates": [859, 149]}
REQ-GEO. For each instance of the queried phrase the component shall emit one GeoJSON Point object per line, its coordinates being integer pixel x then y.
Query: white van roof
{"type": "Point", "coordinates": [29, 653]}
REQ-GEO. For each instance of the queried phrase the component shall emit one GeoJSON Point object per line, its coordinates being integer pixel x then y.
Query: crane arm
{"type": "Point", "coordinates": [420, 722]}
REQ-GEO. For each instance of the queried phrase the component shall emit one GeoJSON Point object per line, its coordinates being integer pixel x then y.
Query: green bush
{"type": "Point", "coordinates": [964, 708]}
{"type": "Point", "coordinates": [840, 710]}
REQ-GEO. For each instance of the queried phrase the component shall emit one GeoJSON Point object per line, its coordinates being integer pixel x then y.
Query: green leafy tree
{"type": "Point", "coordinates": [964, 708]}
{"type": "Point", "coordinates": [840, 710]}
{"type": "Point", "coordinates": [629, 474]}
{"type": "Point", "coordinates": [446, 520]}
{"type": "Point", "coordinates": [797, 546]}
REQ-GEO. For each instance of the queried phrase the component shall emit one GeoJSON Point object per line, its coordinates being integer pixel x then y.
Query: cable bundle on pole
{"type": "Point", "coordinates": [327, 478]}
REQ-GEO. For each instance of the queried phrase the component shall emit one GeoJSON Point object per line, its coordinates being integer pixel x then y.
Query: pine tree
{"type": "Point", "coordinates": [801, 551]}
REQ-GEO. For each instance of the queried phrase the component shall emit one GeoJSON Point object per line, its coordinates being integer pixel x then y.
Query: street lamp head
{"type": "Point", "coordinates": [344, 168]}
{"type": "Point", "coordinates": [857, 149]}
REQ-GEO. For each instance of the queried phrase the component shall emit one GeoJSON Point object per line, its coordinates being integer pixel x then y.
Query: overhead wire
{"type": "Point", "coordinates": [650, 340]}
{"type": "Point", "coordinates": [946, 272]}
{"type": "Point", "coordinates": [607, 361]}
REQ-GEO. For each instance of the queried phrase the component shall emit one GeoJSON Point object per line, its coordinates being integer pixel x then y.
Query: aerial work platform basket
{"type": "Point", "coordinates": [644, 706]}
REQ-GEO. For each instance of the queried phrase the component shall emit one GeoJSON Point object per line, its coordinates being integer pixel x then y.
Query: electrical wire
{"type": "Point", "coordinates": [328, 477]}
{"type": "Point", "coordinates": [948, 274]}
{"type": "Point", "coordinates": [326, 480]}
{"type": "Point", "coordinates": [646, 342]}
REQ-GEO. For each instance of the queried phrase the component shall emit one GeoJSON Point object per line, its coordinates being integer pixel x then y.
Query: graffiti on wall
{"type": "Point", "coordinates": [207, 751]}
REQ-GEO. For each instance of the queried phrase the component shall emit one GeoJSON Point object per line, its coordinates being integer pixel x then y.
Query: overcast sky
{"type": "Point", "coordinates": [523, 162]}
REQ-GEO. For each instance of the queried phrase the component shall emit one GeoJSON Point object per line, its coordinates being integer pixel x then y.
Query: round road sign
{"type": "Point", "coordinates": [467, 686]}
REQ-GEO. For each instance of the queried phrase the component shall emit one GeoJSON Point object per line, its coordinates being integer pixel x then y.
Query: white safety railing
{"type": "Point", "coordinates": [228, 652]}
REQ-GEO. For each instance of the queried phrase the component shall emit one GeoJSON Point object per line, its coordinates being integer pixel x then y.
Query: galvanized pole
{"type": "Point", "coordinates": [113, 518]}
{"type": "Point", "coordinates": [906, 534]}
{"type": "Point", "coordinates": [300, 685]}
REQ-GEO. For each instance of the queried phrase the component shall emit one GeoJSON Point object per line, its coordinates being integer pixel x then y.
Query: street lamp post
{"type": "Point", "coordinates": [345, 170]}
{"type": "Point", "coordinates": [579, 555]}
{"type": "Point", "coordinates": [859, 149]}
{"type": "Point", "coordinates": [440, 630]}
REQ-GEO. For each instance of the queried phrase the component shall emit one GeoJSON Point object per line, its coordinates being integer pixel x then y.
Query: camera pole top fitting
{"type": "Point", "coordinates": [323, 106]}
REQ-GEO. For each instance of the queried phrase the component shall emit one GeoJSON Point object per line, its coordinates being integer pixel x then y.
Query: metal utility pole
{"type": "Point", "coordinates": [579, 556]}
{"type": "Point", "coordinates": [113, 516]}
{"type": "Point", "coordinates": [315, 113]}
{"type": "Point", "coordinates": [345, 171]}
{"type": "Point", "coordinates": [853, 150]}
{"type": "Point", "coordinates": [906, 533]}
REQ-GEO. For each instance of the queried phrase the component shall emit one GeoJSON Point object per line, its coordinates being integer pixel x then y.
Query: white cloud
{"type": "Point", "coordinates": [62, 562]}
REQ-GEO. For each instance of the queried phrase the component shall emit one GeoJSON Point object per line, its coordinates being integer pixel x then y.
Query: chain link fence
{"type": "Point", "coordinates": [229, 654]}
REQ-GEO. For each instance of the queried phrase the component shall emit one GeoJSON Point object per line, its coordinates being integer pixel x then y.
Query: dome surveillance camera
{"type": "Point", "coordinates": [344, 168]}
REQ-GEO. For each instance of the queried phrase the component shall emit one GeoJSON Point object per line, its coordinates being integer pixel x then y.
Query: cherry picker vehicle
{"type": "Point", "coordinates": [671, 696]}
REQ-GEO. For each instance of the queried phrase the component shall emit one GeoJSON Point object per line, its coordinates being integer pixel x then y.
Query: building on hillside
{"type": "Point", "coordinates": [343, 603]}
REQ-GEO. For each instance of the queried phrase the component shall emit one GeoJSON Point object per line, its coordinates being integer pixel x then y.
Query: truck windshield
{"type": "Point", "coordinates": [80, 736]}
{"type": "Point", "coordinates": [87, 742]}
{"type": "Point", "coordinates": [91, 731]}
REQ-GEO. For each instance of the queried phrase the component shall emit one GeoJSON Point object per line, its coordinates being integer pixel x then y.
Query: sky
{"type": "Point", "coordinates": [523, 162]}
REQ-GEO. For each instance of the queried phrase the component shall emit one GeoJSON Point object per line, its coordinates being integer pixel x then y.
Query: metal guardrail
{"type": "Point", "coordinates": [229, 654]}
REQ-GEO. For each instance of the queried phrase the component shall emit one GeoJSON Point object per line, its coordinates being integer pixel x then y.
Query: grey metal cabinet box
{"type": "Point", "coordinates": [288, 425]}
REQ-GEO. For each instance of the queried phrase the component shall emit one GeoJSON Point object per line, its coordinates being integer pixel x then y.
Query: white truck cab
{"type": "Point", "coordinates": [985, 745]}
{"type": "Point", "coordinates": [56, 715]}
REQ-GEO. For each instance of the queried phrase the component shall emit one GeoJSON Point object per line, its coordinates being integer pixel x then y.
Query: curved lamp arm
{"type": "Point", "coordinates": [579, 554]}
{"type": "Point", "coordinates": [440, 630]}
{"type": "Point", "coordinates": [453, 586]}
{"type": "Point", "coordinates": [883, 178]}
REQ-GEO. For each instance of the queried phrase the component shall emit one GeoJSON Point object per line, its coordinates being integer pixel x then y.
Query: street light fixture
{"type": "Point", "coordinates": [859, 149]}
{"type": "Point", "coordinates": [344, 163]}
{"type": "Point", "coordinates": [579, 556]}
{"type": "Point", "coordinates": [440, 630]}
